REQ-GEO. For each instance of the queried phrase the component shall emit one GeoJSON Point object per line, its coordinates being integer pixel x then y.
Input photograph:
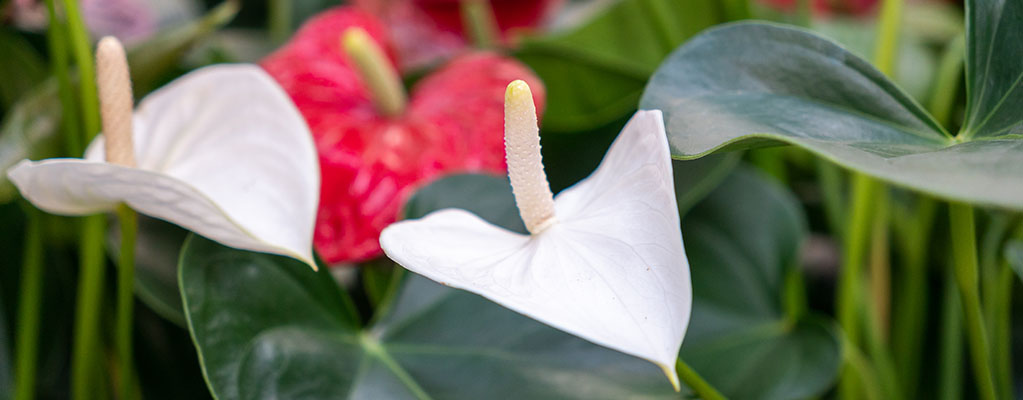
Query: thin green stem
{"type": "Point", "coordinates": [82, 51]}
{"type": "Point", "coordinates": [1001, 333]}
{"type": "Point", "coordinates": [56, 38]}
{"type": "Point", "coordinates": [480, 23]}
{"type": "Point", "coordinates": [889, 23]}
{"type": "Point", "coordinates": [831, 181]}
{"type": "Point", "coordinates": [850, 282]}
{"type": "Point", "coordinates": [279, 20]}
{"type": "Point", "coordinates": [950, 371]}
{"type": "Point", "coordinates": [880, 269]}
{"type": "Point", "coordinates": [28, 308]}
{"type": "Point", "coordinates": [696, 382]}
{"type": "Point", "coordinates": [964, 252]}
{"type": "Point", "coordinates": [128, 222]}
{"type": "Point", "coordinates": [883, 363]}
{"type": "Point", "coordinates": [856, 364]}
{"type": "Point", "coordinates": [84, 361]}
{"type": "Point", "coordinates": [911, 296]}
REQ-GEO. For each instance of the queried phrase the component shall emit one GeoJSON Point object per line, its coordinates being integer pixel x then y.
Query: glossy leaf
{"type": "Point", "coordinates": [743, 241]}
{"type": "Point", "coordinates": [445, 343]}
{"type": "Point", "coordinates": [746, 84]}
{"type": "Point", "coordinates": [296, 340]}
{"type": "Point", "coordinates": [619, 48]}
{"type": "Point", "coordinates": [994, 74]}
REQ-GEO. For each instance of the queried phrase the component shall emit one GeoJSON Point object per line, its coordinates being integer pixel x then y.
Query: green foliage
{"type": "Point", "coordinates": [595, 73]}
{"type": "Point", "coordinates": [746, 84]}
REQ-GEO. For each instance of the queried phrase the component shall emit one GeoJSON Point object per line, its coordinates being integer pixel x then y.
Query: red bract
{"type": "Point", "coordinates": [371, 163]}
{"type": "Point", "coordinates": [510, 14]}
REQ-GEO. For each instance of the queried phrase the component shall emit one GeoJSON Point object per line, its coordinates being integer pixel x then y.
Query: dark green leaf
{"type": "Point", "coordinates": [742, 241]}
{"type": "Point", "coordinates": [746, 84]}
{"type": "Point", "coordinates": [266, 327]}
{"type": "Point", "coordinates": [994, 73]}
{"type": "Point", "coordinates": [595, 73]}
{"type": "Point", "coordinates": [21, 67]}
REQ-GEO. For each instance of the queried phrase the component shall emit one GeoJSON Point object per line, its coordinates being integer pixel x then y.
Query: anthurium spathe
{"type": "Point", "coordinates": [221, 151]}
{"type": "Point", "coordinates": [603, 261]}
{"type": "Point", "coordinates": [376, 144]}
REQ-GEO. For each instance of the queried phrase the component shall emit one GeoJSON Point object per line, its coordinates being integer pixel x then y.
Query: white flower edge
{"type": "Point", "coordinates": [222, 151]}
{"type": "Point", "coordinates": [611, 270]}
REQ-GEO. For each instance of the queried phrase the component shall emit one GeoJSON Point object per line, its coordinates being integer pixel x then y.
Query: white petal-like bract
{"type": "Point", "coordinates": [221, 151]}
{"type": "Point", "coordinates": [612, 270]}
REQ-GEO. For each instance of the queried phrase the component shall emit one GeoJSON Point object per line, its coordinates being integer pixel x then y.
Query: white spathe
{"type": "Point", "coordinates": [611, 270]}
{"type": "Point", "coordinates": [221, 151]}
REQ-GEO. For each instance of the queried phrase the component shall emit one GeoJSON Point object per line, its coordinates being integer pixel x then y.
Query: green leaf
{"type": "Point", "coordinates": [21, 67]}
{"type": "Point", "coordinates": [435, 342]}
{"type": "Point", "coordinates": [595, 73]}
{"type": "Point", "coordinates": [994, 73]}
{"type": "Point", "coordinates": [742, 242]}
{"type": "Point", "coordinates": [747, 84]}
{"type": "Point", "coordinates": [266, 327]}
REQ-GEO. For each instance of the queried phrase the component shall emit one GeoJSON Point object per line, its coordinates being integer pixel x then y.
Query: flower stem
{"type": "Point", "coordinates": [84, 362]}
{"type": "Point", "coordinates": [695, 382]}
{"type": "Point", "coordinates": [28, 307]}
{"type": "Point", "coordinates": [56, 38]}
{"type": "Point", "coordinates": [855, 241]}
{"type": "Point", "coordinates": [128, 222]}
{"type": "Point", "coordinates": [279, 20]}
{"type": "Point", "coordinates": [480, 23]}
{"type": "Point", "coordinates": [82, 52]}
{"type": "Point", "coordinates": [964, 253]}
{"type": "Point", "coordinates": [911, 293]}
{"type": "Point", "coordinates": [376, 70]}
{"type": "Point", "coordinates": [950, 380]}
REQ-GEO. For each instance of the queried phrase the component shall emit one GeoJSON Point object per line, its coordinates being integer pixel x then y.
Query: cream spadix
{"type": "Point", "coordinates": [604, 259]}
{"type": "Point", "coordinates": [221, 151]}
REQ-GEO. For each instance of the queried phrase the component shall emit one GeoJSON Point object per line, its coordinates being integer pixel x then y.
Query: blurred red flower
{"type": "Point", "coordinates": [370, 163]}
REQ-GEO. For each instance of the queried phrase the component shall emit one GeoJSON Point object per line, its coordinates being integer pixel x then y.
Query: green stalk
{"type": "Point", "coordinates": [831, 180]}
{"type": "Point", "coordinates": [82, 51]}
{"type": "Point", "coordinates": [950, 371]}
{"type": "Point", "coordinates": [964, 252]}
{"type": "Point", "coordinates": [56, 38]}
{"type": "Point", "coordinates": [128, 221]}
{"type": "Point", "coordinates": [911, 296]}
{"type": "Point", "coordinates": [28, 308]}
{"type": "Point", "coordinates": [695, 382]}
{"type": "Point", "coordinates": [84, 361]}
{"type": "Point", "coordinates": [912, 293]}
{"type": "Point", "coordinates": [880, 269]}
{"type": "Point", "coordinates": [889, 22]}
{"type": "Point", "coordinates": [850, 282]}
{"type": "Point", "coordinates": [480, 23]}
{"type": "Point", "coordinates": [883, 364]}
{"type": "Point", "coordinates": [279, 20]}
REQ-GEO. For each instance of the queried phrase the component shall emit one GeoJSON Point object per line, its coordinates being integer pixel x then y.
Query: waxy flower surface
{"type": "Point", "coordinates": [603, 261]}
{"type": "Point", "coordinates": [376, 147]}
{"type": "Point", "coordinates": [220, 151]}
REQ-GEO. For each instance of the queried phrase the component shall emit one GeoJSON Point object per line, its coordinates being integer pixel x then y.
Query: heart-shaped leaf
{"type": "Point", "coordinates": [292, 340]}
{"type": "Point", "coordinates": [745, 84]}
{"type": "Point", "coordinates": [743, 242]}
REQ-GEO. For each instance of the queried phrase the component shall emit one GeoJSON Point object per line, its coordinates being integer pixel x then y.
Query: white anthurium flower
{"type": "Point", "coordinates": [222, 152]}
{"type": "Point", "coordinates": [603, 261]}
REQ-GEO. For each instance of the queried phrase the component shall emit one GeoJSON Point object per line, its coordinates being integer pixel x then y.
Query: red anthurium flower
{"type": "Point", "coordinates": [425, 31]}
{"type": "Point", "coordinates": [376, 147]}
